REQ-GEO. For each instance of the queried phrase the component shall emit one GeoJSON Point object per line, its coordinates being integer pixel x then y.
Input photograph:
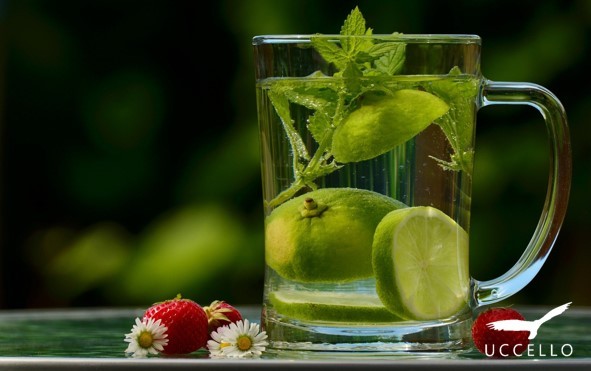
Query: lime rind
{"type": "Point", "coordinates": [328, 306]}
{"type": "Point", "coordinates": [420, 260]}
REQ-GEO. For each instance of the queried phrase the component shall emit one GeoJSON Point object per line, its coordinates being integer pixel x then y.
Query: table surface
{"type": "Point", "coordinates": [71, 339]}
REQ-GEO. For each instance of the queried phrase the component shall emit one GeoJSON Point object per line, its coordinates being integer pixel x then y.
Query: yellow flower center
{"type": "Point", "coordinates": [223, 344]}
{"type": "Point", "coordinates": [244, 343]}
{"type": "Point", "coordinates": [145, 340]}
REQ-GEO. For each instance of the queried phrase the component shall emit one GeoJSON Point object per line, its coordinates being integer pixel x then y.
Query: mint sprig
{"type": "Point", "coordinates": [360, 56]}
{"type": "Point", "coordinates": [356, 54]}
{"type": "Point", "coordinates": [355, 57]}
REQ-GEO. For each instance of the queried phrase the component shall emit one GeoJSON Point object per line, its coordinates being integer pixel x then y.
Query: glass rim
{"type": "Point", "coordinates": [407, 38]}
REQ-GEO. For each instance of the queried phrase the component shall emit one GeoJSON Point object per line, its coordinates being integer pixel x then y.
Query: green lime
{"type": "Point", "coordinates": [383, 122]}
{"type": "Point", "coordinates": [325, 235]}
{"type": "Point", "coordinates": [330, 306]}
{"type": "Point", "coordinates": [420, 260]}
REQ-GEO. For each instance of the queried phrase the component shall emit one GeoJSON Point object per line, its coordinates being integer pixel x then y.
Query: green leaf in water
{"type": "Point", "coordinates": [458, 124]}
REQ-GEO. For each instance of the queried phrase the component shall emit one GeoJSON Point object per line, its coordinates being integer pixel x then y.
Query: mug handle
{"type": "Point", "coordinates": [559, 181]}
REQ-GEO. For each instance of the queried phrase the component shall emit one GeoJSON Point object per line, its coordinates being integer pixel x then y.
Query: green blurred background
{"type": "Point", "coordinates": [129, 166]}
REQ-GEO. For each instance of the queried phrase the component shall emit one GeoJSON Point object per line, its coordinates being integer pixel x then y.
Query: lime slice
{"type": "Point", "coordinates": [420, 260]}
{"type": "Point", "coordinates": [330, 306]}
{"type": "Point", "coordinates": [383, 122]}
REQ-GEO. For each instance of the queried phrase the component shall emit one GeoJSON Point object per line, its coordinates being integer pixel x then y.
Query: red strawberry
{"type": "Point", "coordinates": [499, 343]}
{"type": "Point", "coordinates": [186, 322]}
{"type": "Point", "coordinates": [220, 313]}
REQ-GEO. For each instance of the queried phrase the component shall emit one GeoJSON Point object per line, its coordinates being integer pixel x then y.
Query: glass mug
{"type": "Point", "coordinates": [367, 170]}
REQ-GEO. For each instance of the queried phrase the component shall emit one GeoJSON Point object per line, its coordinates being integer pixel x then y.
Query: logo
{"type": "Point", "coordinates": [531, 326]}
{"type": "Point", "coordinates": [516, 345]}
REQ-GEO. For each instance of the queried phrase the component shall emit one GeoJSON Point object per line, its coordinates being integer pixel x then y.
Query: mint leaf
{"type": "Point", "coordinates": [319, 99]}
{"type": "Point", "coordinates": [330, 51]}
{"type": "Point", "coordinates": [281, 105]}
{"type": "Point", "coordinates": [351, 75]}
{"type": "Point", "coordinates": [354, 24]}
{"type": "Point", "coordinates": [314, 98]}
{"type": "Point", "coordinates": [320, 126]}
{"type": "Point", "coordinates": [380, 49]}
{"type": "Point", "coordinates": [457, 123]}
{"type": "Point", "coordinates": [389, 56]}
{"type": "Point", "coordinates": [391, 62]}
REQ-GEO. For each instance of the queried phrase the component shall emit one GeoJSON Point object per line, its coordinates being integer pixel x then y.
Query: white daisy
{"type": "Point", "coordinates": [215, 344]}
{"type": "Point", "coordinates": [146, 337]}
{"type": "Point", "coordinates": [240, 339]}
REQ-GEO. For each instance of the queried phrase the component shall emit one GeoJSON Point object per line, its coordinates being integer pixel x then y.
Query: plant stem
{"type": "Point", "coordinates": [313, 169]}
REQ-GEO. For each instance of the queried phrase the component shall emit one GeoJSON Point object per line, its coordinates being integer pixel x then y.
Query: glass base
{"type": "Point", "coordinates": [289, 337]}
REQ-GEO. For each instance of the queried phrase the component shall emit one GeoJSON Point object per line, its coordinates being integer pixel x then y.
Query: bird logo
{"type": "Point", "coordinates": [531, 326]}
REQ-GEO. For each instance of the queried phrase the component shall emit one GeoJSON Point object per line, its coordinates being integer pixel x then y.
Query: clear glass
{"type": "Point", "coordinates": [320, 297]}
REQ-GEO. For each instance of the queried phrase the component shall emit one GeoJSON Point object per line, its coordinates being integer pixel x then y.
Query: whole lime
{"type": "Point", "coordinates": [325, 235]}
